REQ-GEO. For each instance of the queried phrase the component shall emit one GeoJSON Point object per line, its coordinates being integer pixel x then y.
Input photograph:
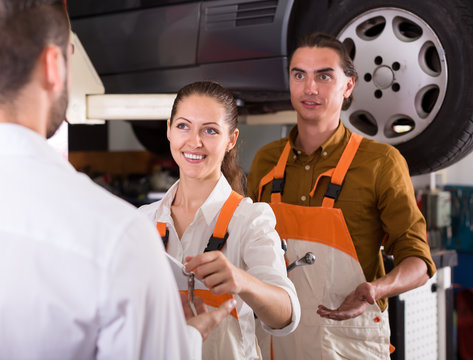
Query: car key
{"type": "Point", "coordinates": [190, 292]}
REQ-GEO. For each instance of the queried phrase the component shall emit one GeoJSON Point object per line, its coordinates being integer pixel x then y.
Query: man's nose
{"type": "Point", "coordinates": [310, 87]}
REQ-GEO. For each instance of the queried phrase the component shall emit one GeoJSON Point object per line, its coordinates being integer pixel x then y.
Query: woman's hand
{"type": "Point", "coordinates": [217, 273]}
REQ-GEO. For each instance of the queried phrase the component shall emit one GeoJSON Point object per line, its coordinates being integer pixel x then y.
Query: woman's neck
{"type": "Point", "coordinates": [192, 193]}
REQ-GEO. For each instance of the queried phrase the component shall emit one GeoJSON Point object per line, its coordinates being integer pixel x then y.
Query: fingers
{"type": "Point", "coordinates": [216, 272]}
{"type": "Point", "coordinates": [206, 322]}
{"type": "Point", "coordinates": [224, 310]}
{"type": "Point", "coordinates": [207, 269]}
{"type": "Point", "coordinates": [331, 314]}
{"type": "Point", "coordinates": [185, 306]}
{"type": "Point", "coordinates": [200, 305]}
{"type": "Point", "coordinates": [341, 313]}
{"type": "Point", "coordinates": [194, 262]}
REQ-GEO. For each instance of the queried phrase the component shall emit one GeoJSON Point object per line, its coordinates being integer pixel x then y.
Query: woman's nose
{"type": "Point", "coordinates": [195, 140]}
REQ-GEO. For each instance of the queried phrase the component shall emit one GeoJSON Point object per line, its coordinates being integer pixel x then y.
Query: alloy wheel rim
{"type": "Point", "coordinates": [402, 75]}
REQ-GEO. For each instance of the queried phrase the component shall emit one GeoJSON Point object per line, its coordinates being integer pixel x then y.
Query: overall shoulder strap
{"type": "Point", "coordinates": [276, 175]}
{"type": "Point", "coordinates": [164, 233]}
{"type": "Point", "coordinates": [336, 182]}
{"type": "Point", "coordinates": [219, 237]}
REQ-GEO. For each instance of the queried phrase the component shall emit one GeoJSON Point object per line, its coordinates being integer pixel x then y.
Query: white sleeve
{"type": "Point", "coordinates": [264, 257]}
{"type": "Point", "coordinates": [141, 315]}
{"type": "Point", "coordinates": [195, 343]}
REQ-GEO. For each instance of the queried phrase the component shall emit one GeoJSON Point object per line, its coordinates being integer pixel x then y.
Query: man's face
{"type": "Point", "coordinates": [58, 110]}
{"type": "Point", "coordinates": [318, 84]}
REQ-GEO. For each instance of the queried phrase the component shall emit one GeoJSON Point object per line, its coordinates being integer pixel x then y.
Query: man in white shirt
{"type": "Point", "coordinates": [82, 274]}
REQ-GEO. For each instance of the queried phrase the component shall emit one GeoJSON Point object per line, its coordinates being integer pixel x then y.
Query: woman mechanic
{"type": "Point", "coordinates": [247, 262]}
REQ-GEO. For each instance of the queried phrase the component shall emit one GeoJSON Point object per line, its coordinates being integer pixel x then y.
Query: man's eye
{"type": "Point", "coordinates": [299, 76]}
{"type": "Point", "coordinates": [325, 77]}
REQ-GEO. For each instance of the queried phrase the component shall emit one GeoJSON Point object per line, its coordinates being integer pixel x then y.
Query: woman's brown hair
{"type": "Point", "coordinates": [230, 168]}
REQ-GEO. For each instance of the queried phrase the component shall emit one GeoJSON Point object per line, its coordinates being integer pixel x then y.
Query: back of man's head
{"type": "Point", "coordinates": [26, 28]}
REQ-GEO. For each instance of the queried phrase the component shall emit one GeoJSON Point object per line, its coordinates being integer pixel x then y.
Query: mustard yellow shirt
{"type": "Point", "coordinates": [377, 197]}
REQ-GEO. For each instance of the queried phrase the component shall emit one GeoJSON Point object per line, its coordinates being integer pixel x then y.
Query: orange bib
{"type": "Point", "coordinates": [216, 243]}
{"type": "Point", "coordinates": [335, 273]}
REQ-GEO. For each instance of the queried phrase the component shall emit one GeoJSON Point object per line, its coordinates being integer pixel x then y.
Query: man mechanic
{"type": "Point", "coordinates": [342, 198]}
{"type": "Point", "coordinates": [83, 274]}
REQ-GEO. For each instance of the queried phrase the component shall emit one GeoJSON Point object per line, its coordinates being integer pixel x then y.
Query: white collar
{"type": "Point", "coordinates": [17, 140]}
{"type": "Point", "coordinates": [209, 209]}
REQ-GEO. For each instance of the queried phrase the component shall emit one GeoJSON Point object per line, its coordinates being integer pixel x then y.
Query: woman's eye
{"type": "Point", "coordinates": [211, 131]}
{"type": "Point", "coordinates": [181, 126]}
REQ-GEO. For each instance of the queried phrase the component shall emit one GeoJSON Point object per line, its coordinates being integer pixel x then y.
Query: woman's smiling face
{"type": "Point", "coordinates": [199, 137]}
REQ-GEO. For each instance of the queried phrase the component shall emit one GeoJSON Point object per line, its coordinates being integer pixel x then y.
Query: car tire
{"type": "Point", "coordinates": [152, 135]}
{"type": "Point", "coordinates": [430, 123]}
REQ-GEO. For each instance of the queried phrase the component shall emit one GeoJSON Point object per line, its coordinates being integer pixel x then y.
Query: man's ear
{"type": "Point", "coordinates": [54, 68]}
{"type": "Point", "coordinates": [349, 88]}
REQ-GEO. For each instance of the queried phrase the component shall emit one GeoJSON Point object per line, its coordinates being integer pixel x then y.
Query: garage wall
{"type": "Point", "coordinates": [252, 137]}
{"type": "Point", "coordinates": [461, 173]}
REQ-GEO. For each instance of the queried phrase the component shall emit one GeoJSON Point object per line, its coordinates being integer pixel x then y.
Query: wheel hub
{"type": "Point", "coordinates": [383, 77]}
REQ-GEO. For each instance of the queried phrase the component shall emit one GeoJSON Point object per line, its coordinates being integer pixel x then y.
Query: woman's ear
{"type": "Point", "coordinates": [233, 139]}
{"type": "Point", "coordinates": [168, 127]}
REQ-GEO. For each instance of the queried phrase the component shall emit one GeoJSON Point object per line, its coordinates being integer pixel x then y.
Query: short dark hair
{"type": "Point", "coordinates": [26, 28]}
{"type": "Point", "coordinates": [230, 168]}
{"type": "Point", "coordinates": [322, 40]}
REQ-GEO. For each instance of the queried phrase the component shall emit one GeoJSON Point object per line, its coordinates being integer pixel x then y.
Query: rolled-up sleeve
{"type": "Point", "coordinates": [400, 215]}
{"type": "Point", "coordinates": [264, 258]}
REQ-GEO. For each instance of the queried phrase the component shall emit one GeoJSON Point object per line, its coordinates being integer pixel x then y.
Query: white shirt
{"type": "Point", "coordinates": [252, 245]}
{"type": "Point", "coordinates": [82, 274]}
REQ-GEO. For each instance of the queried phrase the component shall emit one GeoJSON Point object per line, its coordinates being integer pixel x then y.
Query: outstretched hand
{"type": "Point", "coordinates": [206, 321]}
{"type": "Point", "coordinates": [198, 303]}
{"type": "Point", "coordinates": [217, 273]}
{"type": "Point", "coordinates": [354, 304]}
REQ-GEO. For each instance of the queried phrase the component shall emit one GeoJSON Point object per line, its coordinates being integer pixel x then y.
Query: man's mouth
{"type": "Point", "coordinates": [310, 102]}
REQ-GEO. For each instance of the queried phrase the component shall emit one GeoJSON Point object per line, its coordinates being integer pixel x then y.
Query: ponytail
{"type": "Point", "coordinates": [233, 172]}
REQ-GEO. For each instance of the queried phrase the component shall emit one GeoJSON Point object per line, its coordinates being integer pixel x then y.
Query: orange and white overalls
{"type": "Point", "coordinates": [335, 273]}
{"type": "Point", "coordinates": [229, 337]}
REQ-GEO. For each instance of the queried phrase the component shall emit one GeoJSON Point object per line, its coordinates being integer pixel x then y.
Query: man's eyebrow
{"type": "Point", "coordinates": [328, 69]}
{"type": "Point", "coordinates": [297, 69]}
